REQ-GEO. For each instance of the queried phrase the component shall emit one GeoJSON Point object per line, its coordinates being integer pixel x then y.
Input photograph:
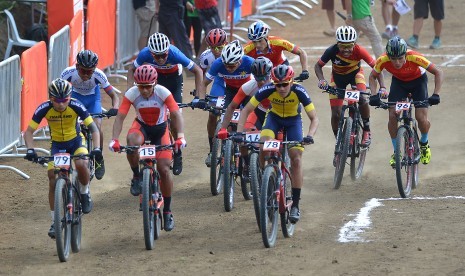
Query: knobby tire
{"type": "Point", "coordinates": [269, 207]}
{"type": "Point", "coordinates": [404, 162]}
{"type": "Point", "coordinates": [62, 226]}
{"type": "Point", "coordinates": [229, 176]}
{"type": "Point", "coordinates": [342, 149]}
{"type": "Point", "coordinates": [147, 209]}
{"type": "Point", "coordinates": [255, 184]}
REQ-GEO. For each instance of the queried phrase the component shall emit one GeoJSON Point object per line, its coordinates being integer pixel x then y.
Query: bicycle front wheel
{"type": "Point", "coordinates": [342, 149]}
{"type": "Point", "coordinates": [76, 227]}
{"type": "Point", "coordinates": [245, 179]}
{"type": "Point", "coordinates": [269, 207]}
{"type": "Point", "coordinates": [148, 209]}
{"type": "Point", "coordinates": [404, 156]}
{"type": "Point", "coordinates": [229, 176]}
{"type": "Point", "coordinates": [358, 153]}
{"type": "Point", "coordinates": [286, 226]}
{"type": "Point", "coordinates": [62, 222]}
{"type": "Point", "coordinates": [216, 166]}
{"type": "Point", "coordinates": [255, 184]}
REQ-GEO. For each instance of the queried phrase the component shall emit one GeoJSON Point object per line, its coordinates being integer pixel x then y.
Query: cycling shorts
{"type": "Point", "coordinates": [400, 89]}
{"type": "Point", "coordinates": [292, 126]}
{"type": "Point", "coordinates": [173, 82]}
{"type": "Point", "coordinates": [342, 81]}
{"type": "Point", "coordinates": [217, 88]}
{"type": "Point", "coordinates": [157, 135]}
{"type": "Point", "coordinates": [74, 146]}
{"type": "Point", "coordinates": [93, 103]}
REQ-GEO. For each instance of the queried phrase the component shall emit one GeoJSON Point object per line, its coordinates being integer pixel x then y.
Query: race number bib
{"type": "Point", "coordinates": [353, 96]}
{"type": "Point", "coordinates": [235, 116]}
{"type": "Point", "coordinates": [220, 102]}
{"type": "Point", "coordinates": [147, 152]}
{"type": "Point", "coordinates": [402, 106]}
{"type": "Point", "coordinates": [253, 136]}
{"type": "Point", "coordinates": [271, 145]}
{"type": "Point", "coordinates": [62, 160]}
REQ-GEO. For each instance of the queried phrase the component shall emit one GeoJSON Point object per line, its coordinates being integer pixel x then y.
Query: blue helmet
{"type": "Point", "coordinates": [258, 30]}
{"type": "Point", "coordinates": [396, 47]}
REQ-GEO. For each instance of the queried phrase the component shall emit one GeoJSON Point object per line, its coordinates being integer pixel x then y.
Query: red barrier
{"type": "Point", "coordinates": [34, 74]}
{"type": "Point", "coordinates": [101, 31]}
{"type": "Point", "coordinates": [76, 36]}
{"type": "Point", "coordinates": [60, 13]}
{"type": "Point", "coordinates": [246, 8]}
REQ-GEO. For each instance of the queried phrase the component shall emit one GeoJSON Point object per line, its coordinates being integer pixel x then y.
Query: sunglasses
{"type": "Point", "coordinates": [345, 45]}
{"type": "Point", "coordinates": [282, 84]}
{"type": "Point", "coordinates": [261, 78]}
{"type": "Point", "coordinates": [216, 48]}
{"type": "Point", "coordinates": [160, 56]}
{"type": "Point", "coordinates": [86, 71]}
{"type": "Point", "coordinates": [57, 100]}
{"type": "Point", "coordinates": [144, 86]}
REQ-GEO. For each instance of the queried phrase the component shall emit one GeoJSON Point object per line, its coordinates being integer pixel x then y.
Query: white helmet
{"type": "Point", "coordinates": [158, 43]}
{"type": "Point", "coordinates": [232, 53]}
{"type": "Point", "coordinates": [346, 34]}
{"type": "Point", "coordinates": [258, 30]}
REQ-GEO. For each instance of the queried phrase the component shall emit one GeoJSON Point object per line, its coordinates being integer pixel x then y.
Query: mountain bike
{"type": "Point", "coordinates": [407, 153]}
{"type": "Point", "coordinates": [276, 191]}
{"type": "Point", "coordinates": [87, 134]}
{"type": "Point", "coordinates": [151, 198]}
{"type": "Point", "coordinates": [349, 136]}
{"type": "Point", "coordinates": [68, 209]}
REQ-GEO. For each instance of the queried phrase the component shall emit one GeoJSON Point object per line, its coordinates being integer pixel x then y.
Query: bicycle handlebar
{"type": "Point", "coordinates": [45, 159]}
{"type": "Point", "coordinates": [101, 115]}
{"type": "Point", "coordinates": [131, 149]}
{"type": "Point", "coordinates": [386, 105]}
{"type": "Point", "coordinates": [340, 91]}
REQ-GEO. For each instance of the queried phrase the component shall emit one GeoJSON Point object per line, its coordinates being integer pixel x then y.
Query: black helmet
{"type": "Point", "coordinates": [261, 67]}
{"type": "Point", "coordinates": [87, 59]}
{"type": "Point", "coordinates": [396, 47]}
{"type": "Point", "coordinates": [59, 88]}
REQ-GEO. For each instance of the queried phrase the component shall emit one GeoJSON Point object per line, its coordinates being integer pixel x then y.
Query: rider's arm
{"type": "Point", "coordinates": [438, 77]}
{"type": "Point", "coordinates": [244, 114]}
{"type": "Point", "coordinates": [205, 83]}
{"type": "Point", "coordinates": [29, 137]}
{"type": "Point", "coordinates": [319, 71]}
{"type": "Point", "coordinates": [177, 121]}
{"type": "Point", "coordinates": [114, 97]}
{"type": "Point", "coordinates": [314, 122]}
{"type": "Point", "coordinates": [303, 58]}
{"type": "Point", "coordinates": [200, 86]}
{"type": "Point", "coordinates": [240, 96]}
{"type": "Point", "coordinates": [122, 113]}
{"type": "Point", "coordinates": [95, 134]}
{"type": "Point", "coordinates": [374, 78]}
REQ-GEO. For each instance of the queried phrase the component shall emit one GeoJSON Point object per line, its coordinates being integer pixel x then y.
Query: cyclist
{"type": "Point", "coordinates": [273, 47]}
{"type": "Point", "coordinates": [346, 56]}
{"type": "Point", "coordinates": [261, 71]}
{"type": "Point", "coordinates": [235, 69]}
{"type": "Point", "coordinates": [168, 61]}
{"type": "Point", "coordinates": [61, 113]}
{"type": "Point", "coordinates": [408, 69]}
{"type": "Point", "coordinates": [86, 80]}
{"type": "Point", "coordinates": [286, 98]}
{"type": "Point", "coordinates": [151, 102]}
{"type": "Point", "coordinates": [216, 40]}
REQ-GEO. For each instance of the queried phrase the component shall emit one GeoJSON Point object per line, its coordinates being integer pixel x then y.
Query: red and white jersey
{"type": "Point", "coordinates": [249, 89]}
{"type": "Point", "coordinates": [151, 111]}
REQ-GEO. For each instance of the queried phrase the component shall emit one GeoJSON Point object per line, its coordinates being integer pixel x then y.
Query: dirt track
{"type": "Point", "coordinates": [419, 236]}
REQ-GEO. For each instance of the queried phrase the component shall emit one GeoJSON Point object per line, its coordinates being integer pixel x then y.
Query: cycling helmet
{"type": "Point", "coordinates": [258, 30]}
{"type": "Point", "coordinates": [346, 34]}
{"type": "Point", "coordinates": [262, 67]}
{"type": "Point", "coordinates": [282, 73]}
{"type": "Point", "coordinates": [145, 74]}
{"type": "Point", "coordinates": [87, 59]}
{"type": "Point", "coordinates": [59, 88]}
{"type": "Point", "coordinates": [158, 43]}
{"type": "Point", "coordinates": [216, 37]}
{"type": "Point", "coordinates": [396, 47]}
{"type": "Point", "coordinates": [232, 53]}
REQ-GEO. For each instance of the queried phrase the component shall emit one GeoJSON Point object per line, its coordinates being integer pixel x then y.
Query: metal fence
{"type": "Point", "coordinates": [58, 53]}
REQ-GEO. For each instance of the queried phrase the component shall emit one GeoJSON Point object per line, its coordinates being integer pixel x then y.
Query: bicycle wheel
{"type": "Point", "coordinates": [286, 226]}
{"type": "Point", "coordinates": [358, 153]}
{"type": "Point", "coordinates": [416, 162]}
{"type": "Point", "coordinates": [404, 162]}
{"type": "Point", "coordinates": [91, 163]}
{"type": "Point", "coordinates": [342, 149]}
{"type": "Point", "coordinates": [269, 207]}
{"type": "Point", "coordinates": [76, 226]}
{"type": "Point", "coordinates": [255, 184]}
{"type": "Point", "coordinates": [228, 175]}
{"type": "Point", "coordinates": [147, 209]}
{"type": "Point", "coordinates": [62, 222]}
{"type": "Point", "coordinates": [216, 165]}
{"type": "Point", "coordinates": [245, 181]}
{"type": "Point", "coordinates": [156, 211]}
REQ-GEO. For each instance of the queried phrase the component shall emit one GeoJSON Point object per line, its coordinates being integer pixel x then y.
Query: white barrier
{"type": "Point", "coordinates": [58, 53]}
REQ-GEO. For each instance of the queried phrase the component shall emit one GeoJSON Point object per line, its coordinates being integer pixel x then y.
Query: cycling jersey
{"type": "Point", "coordinates": [415, 66]}
{"type": "Point", "coordinates": [88, 87]}
{"type": "Point", "coordinates": [176, 59]}
{"type": "Point", "coordinates": [249, 89]}
{"type": "Point", "coordinates": [151, 111]}
{"type": "Point", "coordinates": [206, 60]}
{"type": "Point", "coordinates": [284, 107]}
{"type": "Point", "coordinates": [235, 79]}
{"type": "Point", "coordinates": [344, 65]}
{"type": "Point", "coordinates": [63, 125]}
{"type": "Point", "coordinates": [276, 47]}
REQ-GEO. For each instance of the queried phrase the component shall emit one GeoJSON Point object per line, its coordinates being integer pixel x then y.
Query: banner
{"type": "Point", "coordinates": [34, 89]}
{"type": "Point", "coordinates": [60, 13]}
{"type": "Point", "coordinates": [76, 36]}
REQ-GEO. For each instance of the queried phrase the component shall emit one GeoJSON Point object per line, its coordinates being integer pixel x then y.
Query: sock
{"type": "Point", "coordinates": [167, 204]}
{"type": "Point", "coordinates": [394, 27]}
{"type": "Point", "coordinates": [424, 138]}
{"type": "Point", "coordinates": [394, 143]}
{"type": "Point", "coordinates": [366, 124]}
{"type": "Point", "coordinates": [295, 197]}
{"type": "Point", "coordinates": [52, 214]}
{"type": "Point", "coordinates": [424, 144]}
{"type": "Point", "coordinates": [135, 171]}
{"type": "Point", "coordinates": [84, 189]}
{"type": "Point", "coordinates": [389, 27]}
{"type": "Point", "coordinates": [415, 36]}
{"type": "Point", "coordinates": [210, 142]}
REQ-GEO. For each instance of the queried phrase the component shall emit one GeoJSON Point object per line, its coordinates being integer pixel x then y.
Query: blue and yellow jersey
{"type": "Point", "coordinates": [284, 107]}
{"type": "Point", "coordinates": [63, 125]}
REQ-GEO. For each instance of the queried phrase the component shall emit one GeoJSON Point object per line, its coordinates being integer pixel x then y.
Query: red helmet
{"type": "Point", "coordinates": [216, 37]}
{"type": "Point", "coordinates": [145, 74]}
{"type": "Point", "coordinates": [282, 73]}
